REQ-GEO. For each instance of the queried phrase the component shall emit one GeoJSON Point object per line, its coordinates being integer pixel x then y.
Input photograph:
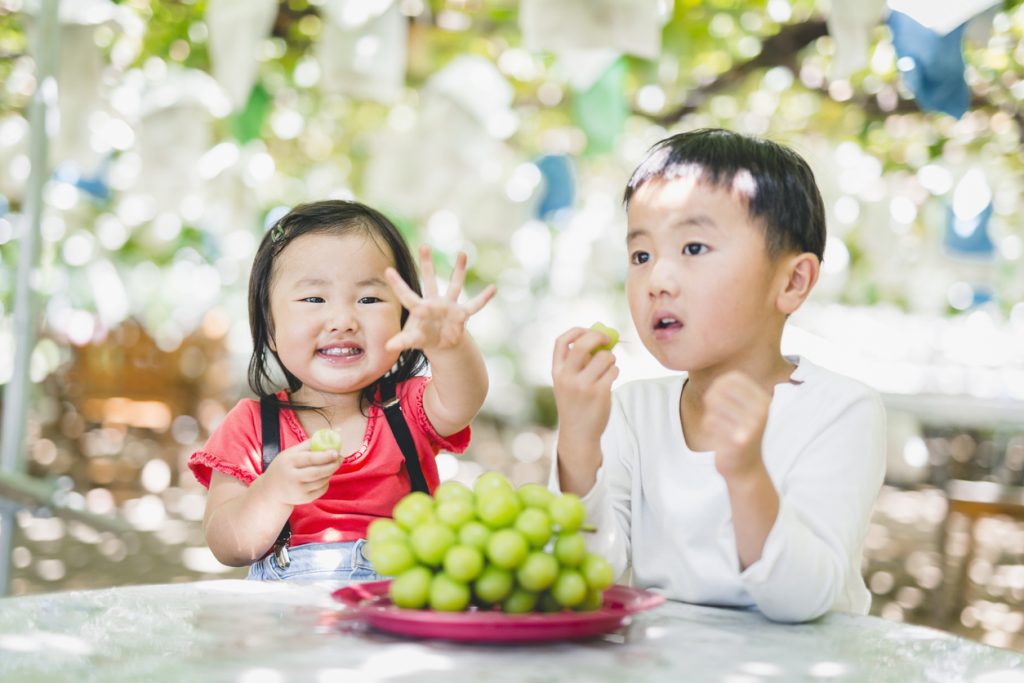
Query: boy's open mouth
{"type": "Point", "coordinates": [667, 323]}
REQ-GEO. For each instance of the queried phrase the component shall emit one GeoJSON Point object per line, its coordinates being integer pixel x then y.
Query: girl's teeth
{"type": "Point", "coordinates": [347, 351]}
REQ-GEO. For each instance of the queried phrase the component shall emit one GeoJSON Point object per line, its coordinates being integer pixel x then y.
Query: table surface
{"type": "Point", "coordinates": [253, 632]}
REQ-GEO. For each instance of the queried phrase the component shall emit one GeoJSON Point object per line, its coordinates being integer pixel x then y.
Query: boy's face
{"type": "Point", "coordinates": [700, 284]}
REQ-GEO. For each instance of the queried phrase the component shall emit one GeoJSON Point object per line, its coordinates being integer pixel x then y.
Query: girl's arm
{"type": "Point", "coordinates": [436, 324]}
{"type": "Point", "coordinates": [242, 522]}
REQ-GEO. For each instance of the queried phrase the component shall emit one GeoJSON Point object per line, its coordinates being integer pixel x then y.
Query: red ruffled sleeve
{"type": "Point", "coordinates": [411, 394]}
{"type": "Point", "coordinates": [233, 448]}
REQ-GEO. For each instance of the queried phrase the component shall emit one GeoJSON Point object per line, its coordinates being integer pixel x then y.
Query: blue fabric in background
{"type": "Point", "coordinates": [937, 75]}
{"type": "Point", "coordinates": [969, 237]}
{"type": "Point", "coordinates": [95, 185]}
{"type": "Point", "coordinates": [559, 185]}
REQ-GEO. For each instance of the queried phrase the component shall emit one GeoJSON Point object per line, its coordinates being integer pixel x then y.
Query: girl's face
{"type": "Point", "coordinates": [701, 285]}
{"type": "Point", "coordinates": [332, 313]}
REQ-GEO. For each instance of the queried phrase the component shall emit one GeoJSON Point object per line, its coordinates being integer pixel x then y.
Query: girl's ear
{"type": "Point", "coordinates": [801, 273]}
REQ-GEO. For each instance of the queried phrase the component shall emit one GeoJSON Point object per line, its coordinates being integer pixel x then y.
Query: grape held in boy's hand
{"type": "Point", "coordinates": [610, 332]}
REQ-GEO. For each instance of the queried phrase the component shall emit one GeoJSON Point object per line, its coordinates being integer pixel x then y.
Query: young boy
{"type": "Point", "coordinates": [750, 478]}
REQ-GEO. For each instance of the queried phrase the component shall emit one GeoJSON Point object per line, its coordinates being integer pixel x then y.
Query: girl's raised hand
{"type": "Point", "coordinates": [435, 322]}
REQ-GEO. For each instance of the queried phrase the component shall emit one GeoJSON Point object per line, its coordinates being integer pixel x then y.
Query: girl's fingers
{"type": "Point", "coordinates": [480, 300]}
{"type": "Point", "coordinates": [427, 269]}
{"type": "Point", "coordinates": [458, 278]}
{"type": "Point", "coordinates": [406, 339]}
{"type": "Point", "coordinates": [406, 296]}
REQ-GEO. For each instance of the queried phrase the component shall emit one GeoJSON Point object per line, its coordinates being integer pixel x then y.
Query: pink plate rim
{"type": "Point", "coordinates": [370, 601]}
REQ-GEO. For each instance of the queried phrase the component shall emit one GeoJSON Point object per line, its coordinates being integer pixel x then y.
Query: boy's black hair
{"type": "Point", "coordinates": [326, 217]}
{"type": "Point", "coordinates": [778, 184]}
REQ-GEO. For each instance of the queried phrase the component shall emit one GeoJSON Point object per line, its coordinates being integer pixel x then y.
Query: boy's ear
{"type": "Point", "coordinates": [800, 273]}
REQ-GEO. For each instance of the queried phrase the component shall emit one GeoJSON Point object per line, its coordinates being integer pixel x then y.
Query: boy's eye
{"type": "Point", "coordinates": [695, 249]}
{"type": "Point", "coordinates": [370, 300]}
{"type": "Point", "coordinates": [638, 257]}
{"type": "Point", "coordinates": [313, 299]}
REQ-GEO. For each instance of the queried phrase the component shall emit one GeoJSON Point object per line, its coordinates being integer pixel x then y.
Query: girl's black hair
{"type": "Point", "coordinates": [326, 217]}
{"type": "Point", "coordinates": [778, 184]}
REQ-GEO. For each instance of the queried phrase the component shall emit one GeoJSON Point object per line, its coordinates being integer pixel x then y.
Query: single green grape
{"type": "Point", "coordinates": [411, 588]}
{"type": "Point", "coordinates": [537, 572]}
{"type": "Point", "coordinates": [325, 440]}
{"type": "Point", "coordinates": [494, 584]}
{"type": "Point", "coordinates": [463, 563]}
{"type": "Point", "coordinates": [597, 572]}
{"type": "Point", "coordinates": [490, 481]}
{"type": "Point", "coordinates": [535, 525]}
{"type": "Point", "coordinates": [570, 548]}
{"type": "Point", "coordinates": [430, 542]}
{"type": "Point", "coordinates": [535, 496]}
{"type": "Point", "coordinates": [474, 533]}
{"type": "Point", "coordinates": [498, 508]}
{"type": "Point", "coordinates": [447, 594]}
{"type": "Point", "coordinates": [507, 548]}
{"type": "Point", "coordinates": [519, 601]}
{"type": "Point", "coordinates": [391, 558]}
{"type": "Point", "coordinates": [413, 510]}
{"type": "Point", "coordinates": [567, 512]}
{"type": "Point", "coordinates": [455, 512]}
{"type": "Point", "coordinates": [610, 332]}
{"type": "Point", "coordinates": [381, 530]}
{"type": "Point", "coordinates": [570, 588]}
{"type": "Point", "coordinates": [453, 490]}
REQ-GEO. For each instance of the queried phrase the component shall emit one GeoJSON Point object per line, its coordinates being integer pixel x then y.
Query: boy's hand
{"type": "Point", "coordinates": [435, 322]}
{"type": "Point", "coordinates": [299, 475]}
{"type": "Point", "coordinates": [735, 414]}
{"type": "Point", "coordinates": [583, 388]}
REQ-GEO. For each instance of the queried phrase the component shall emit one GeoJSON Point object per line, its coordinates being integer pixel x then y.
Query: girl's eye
{"type": "Point", "coordinates": [639, 257]}
{"type": "Point", "coordinates": [314, 299]}
{"type": "Point", "coordinates": [695, 249]}
{"type": "Point", "coordinates": [369, 300]}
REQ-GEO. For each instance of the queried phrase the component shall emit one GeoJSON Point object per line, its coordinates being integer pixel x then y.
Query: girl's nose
{"type": "Point", "coordinates": [342, 319]}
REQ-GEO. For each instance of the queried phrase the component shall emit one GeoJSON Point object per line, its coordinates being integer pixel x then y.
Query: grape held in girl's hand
{"type": "Point", "coordinates": [325, 440]}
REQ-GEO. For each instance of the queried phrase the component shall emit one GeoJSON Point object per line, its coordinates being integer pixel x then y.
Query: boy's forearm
{"type": "Point", "coordinates": [240, 530]}
{"type": "Point", "coordinates": [578, 462]}
{"type": "Point", "coordinates": [458, 385]}
{"type": "Point", "coordinates": [755, 507]}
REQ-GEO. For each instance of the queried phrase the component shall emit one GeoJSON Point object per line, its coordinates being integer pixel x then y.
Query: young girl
{"type": "Point", "coordinates": [334, 299]}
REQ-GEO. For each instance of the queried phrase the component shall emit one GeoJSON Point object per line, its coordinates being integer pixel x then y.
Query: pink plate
{"type": "Point", "coordinates": [370, 600]}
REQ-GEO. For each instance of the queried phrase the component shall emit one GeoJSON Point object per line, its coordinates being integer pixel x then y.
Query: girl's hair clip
{"type": "Point", "coordinates": [277, 233]}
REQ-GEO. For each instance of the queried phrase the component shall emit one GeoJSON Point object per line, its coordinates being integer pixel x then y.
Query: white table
{"type": "Point", "coordinates": [253, 632]}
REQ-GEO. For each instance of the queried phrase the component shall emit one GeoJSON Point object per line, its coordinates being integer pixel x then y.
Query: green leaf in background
{"type": "Point", "coordinates": [601, 111]}
{"type": "Point", "coordinates": [247, 124]}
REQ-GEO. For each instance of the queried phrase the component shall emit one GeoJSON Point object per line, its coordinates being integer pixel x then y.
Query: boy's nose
{"type": "Point", "coordinates": [662, 279]}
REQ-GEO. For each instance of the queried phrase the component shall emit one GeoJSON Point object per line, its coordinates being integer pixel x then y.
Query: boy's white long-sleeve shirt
{"type": "Point", "coordinates": [663, 509]}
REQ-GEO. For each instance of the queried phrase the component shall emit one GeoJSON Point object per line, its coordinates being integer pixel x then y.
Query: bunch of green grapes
{"type": "Point", "coordinates": [490, 547]}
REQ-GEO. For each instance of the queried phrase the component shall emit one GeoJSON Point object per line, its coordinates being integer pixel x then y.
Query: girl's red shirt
{"type": "Point", "coordinates": [368, 482]}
